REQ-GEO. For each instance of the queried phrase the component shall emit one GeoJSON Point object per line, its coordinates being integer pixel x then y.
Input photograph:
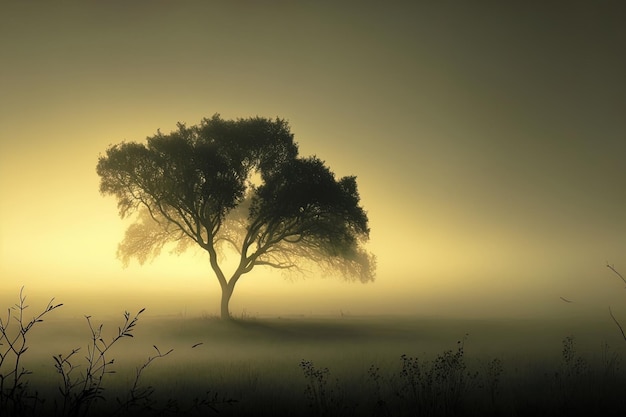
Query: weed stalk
{"type": "Point", "coordinates": [14, 395]}
{"type": "Point", "coordinates": [80, 392]}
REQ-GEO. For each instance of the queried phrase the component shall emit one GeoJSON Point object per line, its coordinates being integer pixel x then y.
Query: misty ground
{"type": "Point", "coordinates": [256, 361]}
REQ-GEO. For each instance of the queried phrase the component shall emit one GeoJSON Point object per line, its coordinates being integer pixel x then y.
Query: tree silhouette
{"type": "Point", "coordinates": [236, 184]}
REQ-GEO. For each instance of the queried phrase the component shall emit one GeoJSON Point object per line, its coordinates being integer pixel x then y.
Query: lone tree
{"type": "Point", "coordinates": [236, 184]}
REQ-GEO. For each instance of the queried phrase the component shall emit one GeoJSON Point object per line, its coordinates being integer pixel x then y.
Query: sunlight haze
{"type": "Point", "coordinates": [488, 142]}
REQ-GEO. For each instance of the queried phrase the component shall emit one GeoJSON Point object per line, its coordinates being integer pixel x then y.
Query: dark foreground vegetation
{"type": "Point", "coordinates": [303, 366]}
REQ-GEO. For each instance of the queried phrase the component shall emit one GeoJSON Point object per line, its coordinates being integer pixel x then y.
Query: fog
{"type": "Point", "coordinates": [267, 364]}
{"type": "Point", "coordinates": [487, 143]}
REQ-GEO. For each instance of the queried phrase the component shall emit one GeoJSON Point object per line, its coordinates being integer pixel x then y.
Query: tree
{"type": "Point", "coordinates": [236, 184]}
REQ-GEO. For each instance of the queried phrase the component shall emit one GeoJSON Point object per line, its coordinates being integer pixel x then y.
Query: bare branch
{"type": "Point", "coordinates": [275, 265]}
{"type": "Point", "coordinates": [621, 329]}
{"type": "Point", "coordinates": [612, 268]}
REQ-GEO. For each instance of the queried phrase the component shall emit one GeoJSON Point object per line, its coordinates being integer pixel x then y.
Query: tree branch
{"type": "Point", "coordinates": [612, 268]}
{"type": "Point", "coordinates": [275, 265]}
{"type": "Point", "coordinates": [621, 329]}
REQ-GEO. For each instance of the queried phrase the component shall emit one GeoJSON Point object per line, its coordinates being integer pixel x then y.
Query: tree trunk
{"type": "Point", "coordinates": [227, 292]}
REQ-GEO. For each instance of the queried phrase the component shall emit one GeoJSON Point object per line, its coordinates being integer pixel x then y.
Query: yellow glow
{"type": "Point", "coordinates": [488, 190]}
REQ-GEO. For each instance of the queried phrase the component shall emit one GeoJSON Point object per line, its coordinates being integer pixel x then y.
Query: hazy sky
{"type": "Point", "coordinates": [488, 141]}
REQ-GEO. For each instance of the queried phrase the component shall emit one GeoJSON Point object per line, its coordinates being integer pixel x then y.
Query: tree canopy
{"type": "Point", "coordinates": [241, 185]}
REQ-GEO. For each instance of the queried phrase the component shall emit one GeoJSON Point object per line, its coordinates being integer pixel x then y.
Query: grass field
{"type": "Point", "coordinates": [322, 366]}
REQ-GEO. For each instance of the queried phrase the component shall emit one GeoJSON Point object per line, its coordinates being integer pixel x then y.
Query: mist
{"type": "Point", "coordinates": [487, 142]}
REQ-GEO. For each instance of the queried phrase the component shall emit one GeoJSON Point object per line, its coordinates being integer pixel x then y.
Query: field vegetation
{"type": "Point", "coordinates": [309, 366]}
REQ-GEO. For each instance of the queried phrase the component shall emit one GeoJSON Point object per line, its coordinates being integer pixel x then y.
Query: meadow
{"type": "Point", "coordinates": [310, 366]}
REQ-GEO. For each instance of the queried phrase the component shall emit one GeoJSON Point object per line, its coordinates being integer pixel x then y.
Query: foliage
{"type": "Point", "coordinates": [198, 186]}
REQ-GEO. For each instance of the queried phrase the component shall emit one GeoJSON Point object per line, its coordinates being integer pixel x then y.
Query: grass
{"type": "Point", "coordinates": [370, 366]}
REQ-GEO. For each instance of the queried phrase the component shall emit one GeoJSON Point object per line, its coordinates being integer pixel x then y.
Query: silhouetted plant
{"type": "Point", "coordinates": [323, 399]}
{"type": "Point", "coordinates": [573, 364]}
{"type": "Point", "coordinates": [81, 378]}
{"type": "Point", "coordinates": [494, 372]}
{"type": "Point", "coordinates": [380, 405]}
{"type": "Point", "coordinates": [15, 398]}
{"type": "Point", "coordinates": [436, 387]}
{"type": "Point", "coordinates": [610, 362]}
{"type": "Point", "coordinates": [621, 329]}
{"type": "Point", "coordinates": [79, 392]}
{"type": "Point", "coordinates": [210, 401]}
{"type": "Point", "coordinates": [139, 396]}
{"type": "Point", "coordinates": [316, 388]}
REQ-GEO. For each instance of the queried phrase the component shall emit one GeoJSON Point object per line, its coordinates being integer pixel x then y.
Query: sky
{"type": "Point", "coordinates": [488, 140]}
